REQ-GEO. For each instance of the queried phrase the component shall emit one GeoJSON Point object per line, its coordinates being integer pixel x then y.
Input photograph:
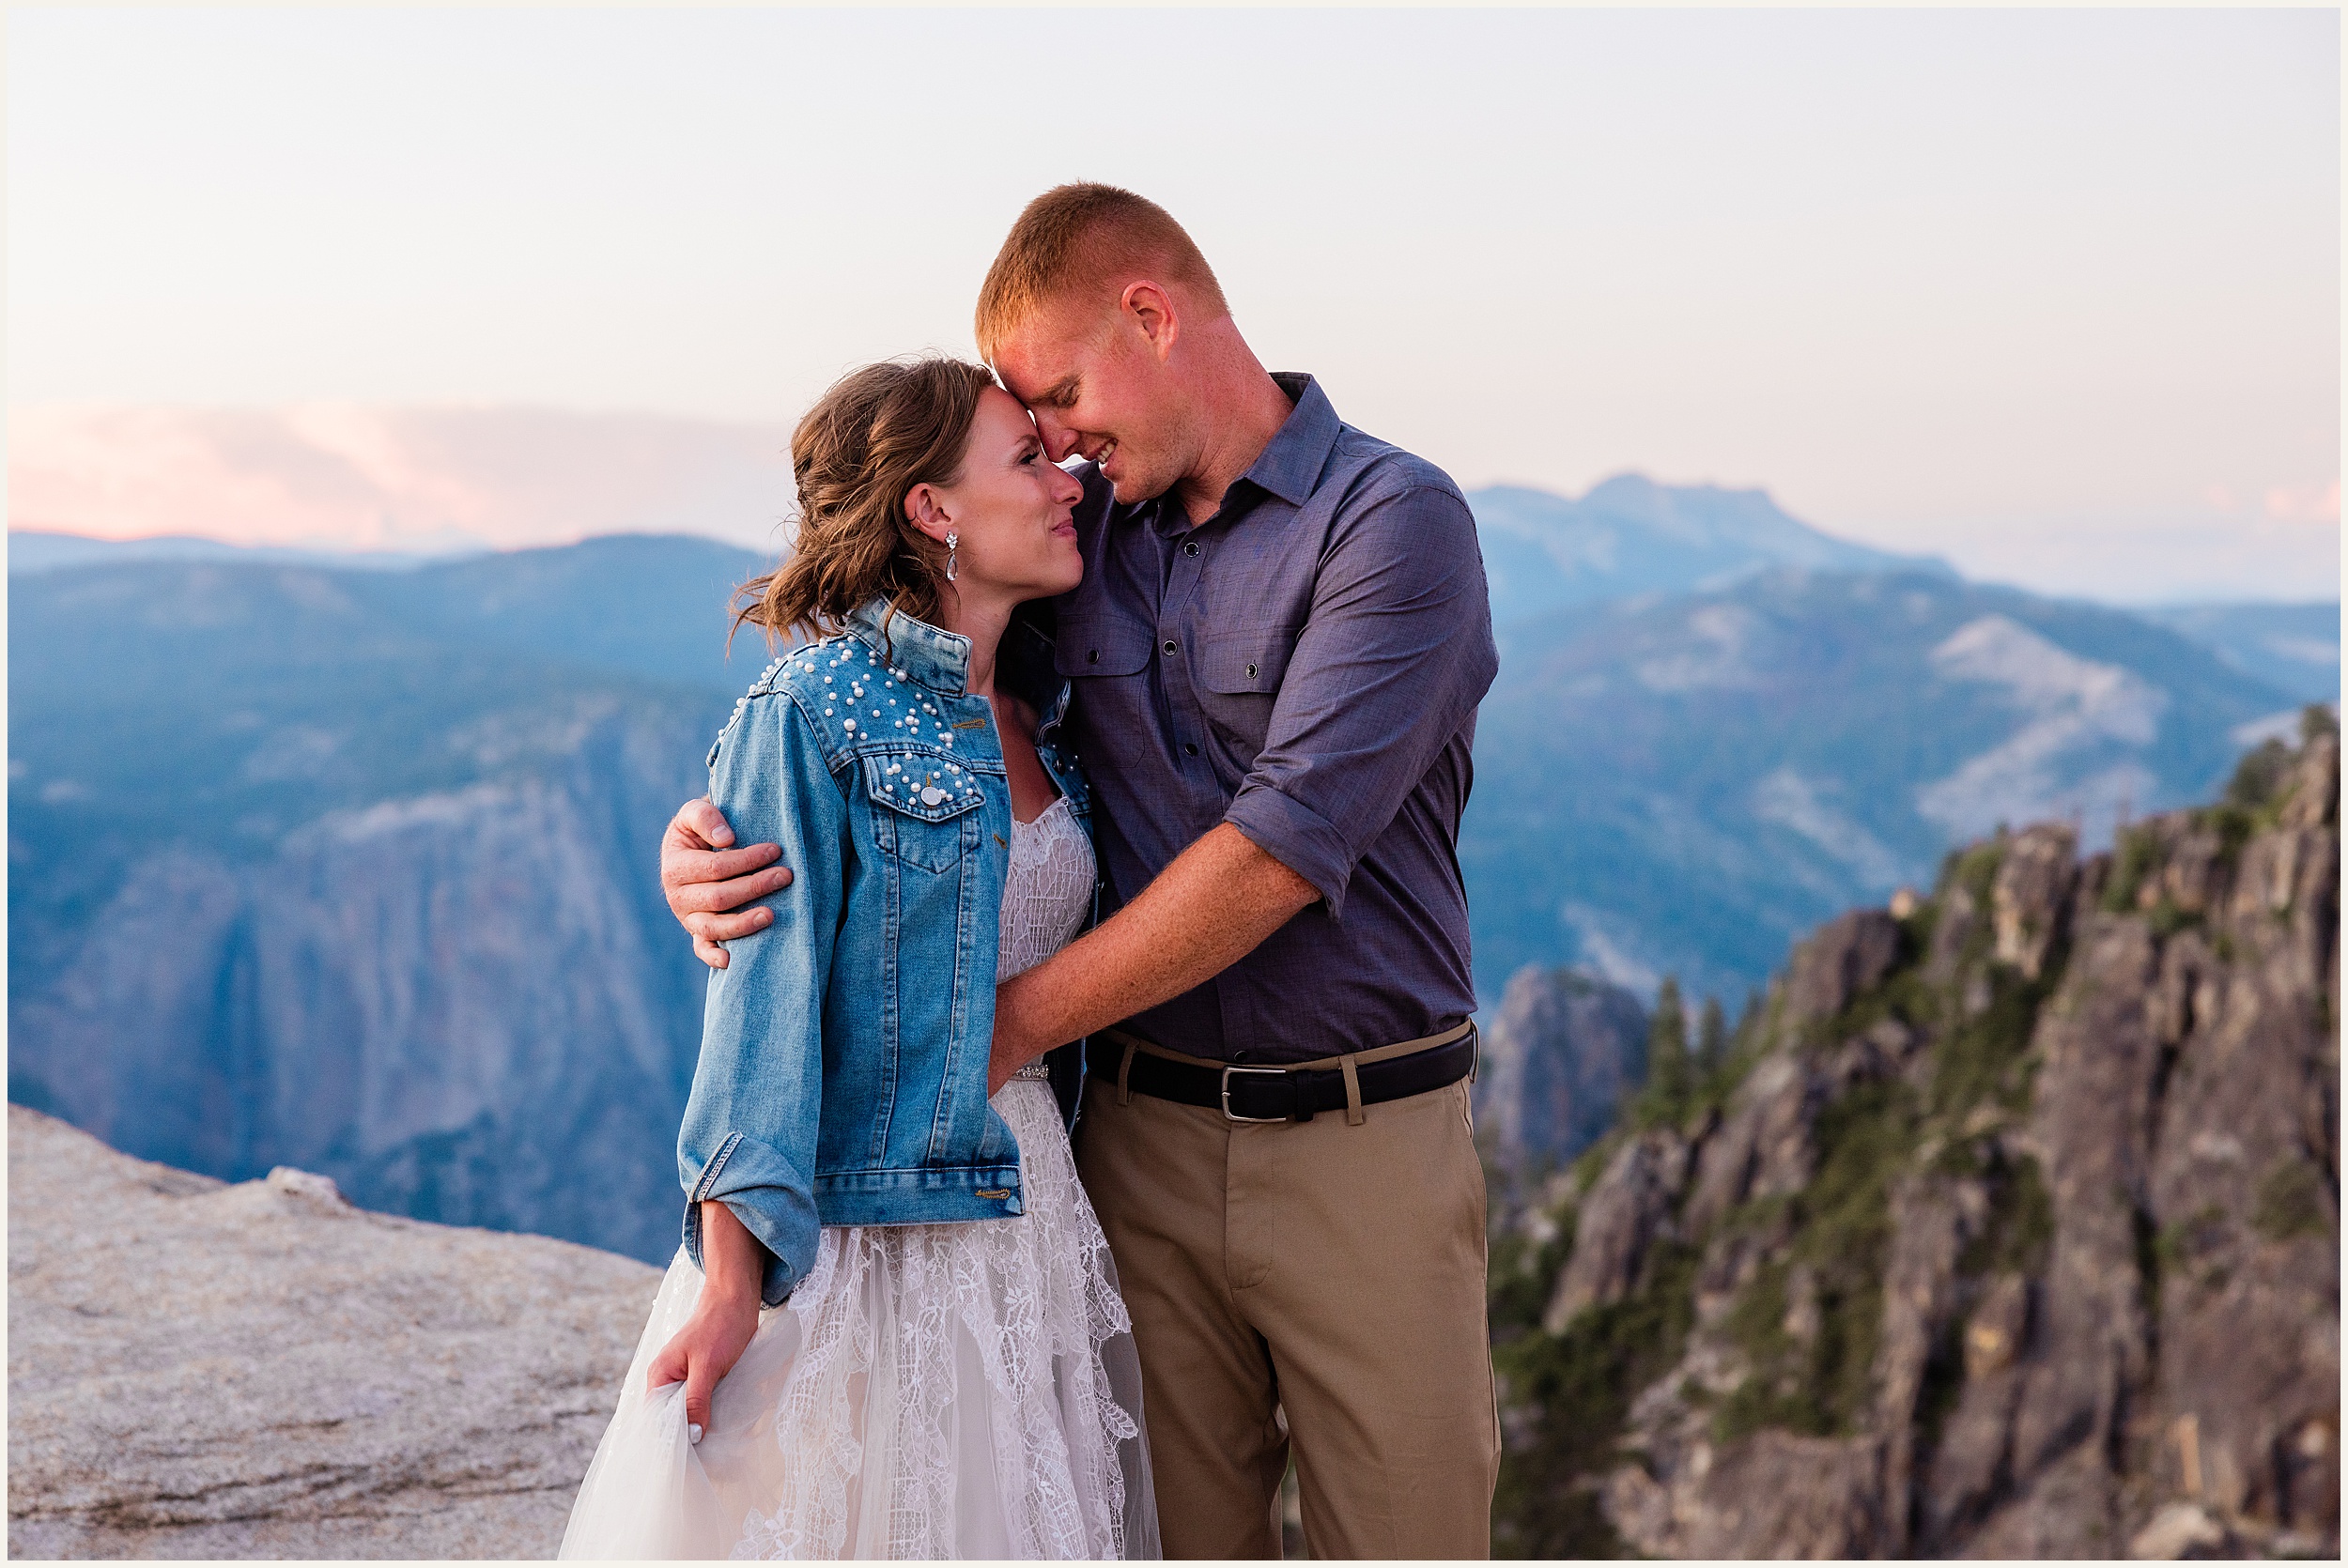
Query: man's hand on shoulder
{"type": "Point", "coordinates": [706, 879]}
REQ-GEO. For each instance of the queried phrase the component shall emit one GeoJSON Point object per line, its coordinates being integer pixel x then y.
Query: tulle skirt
{"type": "Point", "coordinates": [964, 1391]}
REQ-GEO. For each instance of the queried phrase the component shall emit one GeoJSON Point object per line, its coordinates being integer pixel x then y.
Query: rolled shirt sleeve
{"type": "Point", "coordinates": [1395, 655]}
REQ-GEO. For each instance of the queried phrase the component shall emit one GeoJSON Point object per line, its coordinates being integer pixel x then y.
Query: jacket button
{"type": "Point", "coordinates": [1190, 748]}
{"type": "Point", "coordinates": [1251, 671]}
{"type": "Point", "coordinates": [1094, 657]}
{"type": "Point", "coordinates": [1171, 645]}
{"type": "Point", "coordinates": [1190, 546]}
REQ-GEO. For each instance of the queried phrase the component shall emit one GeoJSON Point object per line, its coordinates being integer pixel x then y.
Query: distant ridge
{"type": "Point", "coordinates": [33, 549]}
{"type": "Point", "coordinates": [2293, 647]}
{"type": "Point", "coordinates": [1629, 536]}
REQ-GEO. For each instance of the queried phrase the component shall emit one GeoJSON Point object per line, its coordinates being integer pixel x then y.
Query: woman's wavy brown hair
{"type": "Point", "coordinates": [869, 440]}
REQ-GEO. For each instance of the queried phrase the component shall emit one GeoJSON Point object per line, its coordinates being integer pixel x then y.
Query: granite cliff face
{"type": "Point", "coordinates": [355, 871]}
{"type": "Point", "coordinates": [261, 1370]}
{"type": "Point", "coordinates": [2009, 1227]}
{"type": "Point", "coordinates": [466, 1004]}
{"type": "Point", "coordinates": [1563, 1051]}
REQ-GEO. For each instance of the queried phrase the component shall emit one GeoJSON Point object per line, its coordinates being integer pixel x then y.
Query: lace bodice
{"type": "Point", "coordinates": [1046, 895]}
{"type": "Point", "coordinates": [1049, 891]}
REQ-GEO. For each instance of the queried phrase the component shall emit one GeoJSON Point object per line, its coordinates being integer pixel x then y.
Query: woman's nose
{"type": "Point", "coordinates": [1066, 488]}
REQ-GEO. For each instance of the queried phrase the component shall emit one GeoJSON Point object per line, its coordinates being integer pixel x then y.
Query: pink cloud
{"type": "Point", "coordinates": [2305, 503]}
{"type": "Point", "coordinates": [339, 475]}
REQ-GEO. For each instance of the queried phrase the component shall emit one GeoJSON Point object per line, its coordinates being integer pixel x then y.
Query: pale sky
{"type": "Point", "coordinates": [2054, 294]}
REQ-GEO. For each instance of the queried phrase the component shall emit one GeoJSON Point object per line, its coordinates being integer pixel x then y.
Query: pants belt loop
{"type": "Point", "coordinates": [1353, 1113]}
{"type": "Point", "coordinates": [1124, 1070]}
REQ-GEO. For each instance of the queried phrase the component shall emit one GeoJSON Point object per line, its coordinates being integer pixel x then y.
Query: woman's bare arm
{"type": "Point", "coordinates": [723, 1320]}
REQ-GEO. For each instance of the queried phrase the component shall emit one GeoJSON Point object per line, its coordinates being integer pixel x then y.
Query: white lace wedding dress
{"type": "Point", "coordinates": [963, 1391]}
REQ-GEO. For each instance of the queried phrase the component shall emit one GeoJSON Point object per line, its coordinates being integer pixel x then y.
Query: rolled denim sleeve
{"type": "Point", "coordinates": [1395, 653]}
{"type": "Point", "coordinates": [749, 1136]}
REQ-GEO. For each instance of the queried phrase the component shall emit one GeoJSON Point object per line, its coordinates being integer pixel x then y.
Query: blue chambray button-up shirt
{"type": "Point", "coordinates": [1304, 665]}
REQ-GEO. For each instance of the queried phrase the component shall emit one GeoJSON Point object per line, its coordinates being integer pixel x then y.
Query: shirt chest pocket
{"type": "Point", "coordinates": [1247, 662]}
{"type": "Point", "coordinates": [925, 813]}
{"type": "Point", "coordinates": [1104, 645]}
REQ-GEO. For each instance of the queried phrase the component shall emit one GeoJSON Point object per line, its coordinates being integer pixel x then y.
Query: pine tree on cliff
{"type": "Point", "coordinates": [1712, 1037]}
{"type": "Point", "coordinates": [1671, 1076]}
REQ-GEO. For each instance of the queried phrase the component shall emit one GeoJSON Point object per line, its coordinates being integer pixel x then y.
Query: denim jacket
{"type": "Point", "coordinates": [843, 1059]}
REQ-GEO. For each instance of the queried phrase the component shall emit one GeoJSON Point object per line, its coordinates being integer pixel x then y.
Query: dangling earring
{"type": "Point", "coordinates": [952, 540]}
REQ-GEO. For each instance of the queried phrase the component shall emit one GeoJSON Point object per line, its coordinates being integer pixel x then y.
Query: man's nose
{"type": "Point", "coordinates": [1058, 440]}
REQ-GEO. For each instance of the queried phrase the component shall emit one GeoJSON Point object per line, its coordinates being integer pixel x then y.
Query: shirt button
{"type": "Point", "coordinates": [1190, 748]}
{"type": "Point", "coordinates": [1170, 646]}
{"type": "Point", "coordinates": [1190, 546]}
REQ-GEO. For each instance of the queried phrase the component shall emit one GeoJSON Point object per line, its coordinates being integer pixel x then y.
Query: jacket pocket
{"type": "Point", "coordinates": [1251, 660]}
{"type": "Point", "coordinates": [924, 808]}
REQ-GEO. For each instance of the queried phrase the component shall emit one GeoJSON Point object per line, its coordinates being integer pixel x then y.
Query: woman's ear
{"type": "Point", "coordinates": [926, 511]}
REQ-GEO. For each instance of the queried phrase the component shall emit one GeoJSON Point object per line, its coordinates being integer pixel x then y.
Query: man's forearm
{"type": "Point", "coordinates": [1205, 912]}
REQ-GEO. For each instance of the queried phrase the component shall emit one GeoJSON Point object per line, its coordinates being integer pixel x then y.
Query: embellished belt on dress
{"type": "Point", "coordinates": [1292, 1091]}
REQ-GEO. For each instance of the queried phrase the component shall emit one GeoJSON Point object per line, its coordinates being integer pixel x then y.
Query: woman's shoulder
{"type": "Point", "coordinates": [846, 694]}
{"type": "Point", "coordinates": [796, 679]}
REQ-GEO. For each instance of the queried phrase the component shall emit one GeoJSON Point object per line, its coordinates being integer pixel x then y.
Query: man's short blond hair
{"type": "Point", "coordinates": [1080, 237]}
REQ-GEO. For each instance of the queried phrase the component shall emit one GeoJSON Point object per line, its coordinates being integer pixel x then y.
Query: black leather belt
{"type": "Point", "coordinates": [1246, 1092]}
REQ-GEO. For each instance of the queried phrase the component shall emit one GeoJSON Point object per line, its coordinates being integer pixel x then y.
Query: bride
{"type": "Point", "coordinates": [893, 1329]}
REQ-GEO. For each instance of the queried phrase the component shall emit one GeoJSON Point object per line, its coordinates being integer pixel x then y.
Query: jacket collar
{"type": "Point", "coordinates": [939, 660]}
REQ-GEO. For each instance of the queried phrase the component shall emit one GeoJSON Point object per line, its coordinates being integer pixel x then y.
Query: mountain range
{"type": "Point", "coordinates": [1681, 785]}
{"type": "Point", "coordinates": [1629, 536]}
{"type": "Point", "coordinates": [315, 863]}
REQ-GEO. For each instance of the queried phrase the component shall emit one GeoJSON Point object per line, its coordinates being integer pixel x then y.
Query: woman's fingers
{"type": "Point", "coordinates": [667, 1367]}
{"type": "Point", "coordinates": [696, 1386]}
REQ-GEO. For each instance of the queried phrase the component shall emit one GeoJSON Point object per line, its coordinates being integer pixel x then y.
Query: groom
{"type": "Point", "coordinates": [1277, 652]}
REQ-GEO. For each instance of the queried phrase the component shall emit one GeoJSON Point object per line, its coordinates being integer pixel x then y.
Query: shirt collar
{"type": "Point", "coordinates": [938, 659]}
{"type": "Point", "coordinates": [1291, 464]}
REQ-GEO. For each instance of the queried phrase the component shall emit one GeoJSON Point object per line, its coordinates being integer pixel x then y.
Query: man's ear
{"type": "Point", "coordinates": [926, 511]}
{"type": "Point", "coordinates": [1152, 308]}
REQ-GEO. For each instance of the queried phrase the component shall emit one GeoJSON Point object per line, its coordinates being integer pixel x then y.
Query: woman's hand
{"type": "Point", "coordinates": [723, 1321]}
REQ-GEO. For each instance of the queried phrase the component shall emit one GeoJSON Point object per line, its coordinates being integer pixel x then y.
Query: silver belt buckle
{"type": "Point", "coordinates": [1230, 1116]}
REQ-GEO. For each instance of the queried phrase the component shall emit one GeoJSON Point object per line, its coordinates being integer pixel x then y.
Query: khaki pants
{"type": "Point", "coordinates": [1331, 1272]}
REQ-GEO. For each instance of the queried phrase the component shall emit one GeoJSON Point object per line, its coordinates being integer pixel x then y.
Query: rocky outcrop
{"type": "Point", "coordinates": [1564, 1052]}
{"type": "Point", "coordinates": [1620, 1221]}
{"type": "Point", "coordinates": [2010, 1229]}
{"type": "Point", "coordinates": [262, 1370]}
{"type": "Point", "coordinates": [1848, 956]}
